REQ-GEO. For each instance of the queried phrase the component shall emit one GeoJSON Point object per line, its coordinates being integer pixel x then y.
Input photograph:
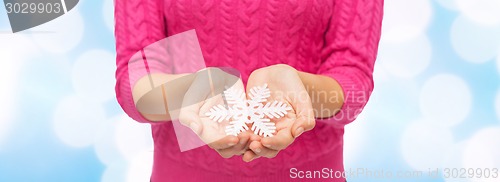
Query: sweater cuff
{"type": "Point", "coordinates": [355, 98]}
{"type": "Point", "coordinates": [124, 96]}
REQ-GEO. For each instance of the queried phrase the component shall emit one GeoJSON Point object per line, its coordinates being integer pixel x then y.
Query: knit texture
{"type": "Point", "coordinates": [336, 38]}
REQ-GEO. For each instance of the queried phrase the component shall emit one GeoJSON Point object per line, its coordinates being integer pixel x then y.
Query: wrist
{"type": "Point", "coordinates": [305, 78]}
{"type": "Point", "coordinates": [326, 94]}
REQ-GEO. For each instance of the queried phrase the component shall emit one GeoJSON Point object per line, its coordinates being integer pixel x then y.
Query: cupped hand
{"type": "Point", "coordinates": [204, 93]}
{"type": "Point", "coordinates": [287, 87]}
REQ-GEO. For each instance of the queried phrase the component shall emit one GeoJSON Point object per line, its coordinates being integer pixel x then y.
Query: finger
{"type": "Point", "coordinates": [239, 148]}
{"type": "Point", "coordinates": [260, 150]}
{"type": "Point", "coordinates": [302, 123]}
{"type": "Point", "coordinates": [305, 114]}
{"type": "Point", "coordinates": [255, 137]}
{"type": "Point", "coordinates": [224, 143]}
{"type": "Point", "coordinates": [249, 156]}
{"type": "Point", "coordinates": [226, 153]}
{"type": "Point", "coordinates": [232, 151]}
{"type": "Point", "coordinates": [278, 142]}
{"type": "Point", "coordinates": [244, 138]}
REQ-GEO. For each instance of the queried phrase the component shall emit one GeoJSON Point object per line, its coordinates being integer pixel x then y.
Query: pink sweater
{"type": "Point", "coordinates": [336, 38]}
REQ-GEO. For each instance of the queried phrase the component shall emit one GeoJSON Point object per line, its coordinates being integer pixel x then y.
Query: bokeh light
{"type": "Point", "coordinates": [497, 105]}
{"type": "Point", "coordinates": [132, 138]}
{"type": "Point", "coordinates": [449, 4]}
{"type": "Point", "coordinates": [405, 59]}
{"type": "Point", "coordinates": [474, 42]}
{"type": "Point", "coordinates": [445, 99]}
{"type": "Point", "coordinates": [98, 86]}
{"type": "Point", "coordinates": [354, 139]}
{"type": "Point", "coordinates": [140, 167]}
{"type": "Point", "coordinates": [14, 50]}
{"type": "Point", "coordinates": [75, 121]}
{"type": "Point", "coordinates": [423, 141]}
{"type": "Point", "coordinates": [498, 61]}
{"type": "Point", "coordinates": [108, 11]}
{"type": "Point", "coordinates": [482, 152]}
{"type": "Point", "coordinates": [105, 146]}
{"type": "Point", "coordinates": [405, 20]}
{"type": "Point", "coordinates": [481, 11]}
{"type": "Point", "coordinates": [62, 34]}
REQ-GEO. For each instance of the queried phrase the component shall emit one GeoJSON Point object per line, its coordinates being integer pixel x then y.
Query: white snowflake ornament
{"type": "Point", "coordinates": [242, 111]}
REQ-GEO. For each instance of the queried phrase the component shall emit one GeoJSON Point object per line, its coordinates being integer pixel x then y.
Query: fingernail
{"type": "Point", "coordinates": [299, 131]}
{"type": "Point", "coordinates": [231, 144]}
{"type": "Point", "coordinates": [243, 141]}
{"type": "Point", "coordinates": [257, 150]}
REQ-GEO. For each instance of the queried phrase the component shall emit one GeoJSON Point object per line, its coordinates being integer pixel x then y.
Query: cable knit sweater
{"type": "Point", "coordinates": [336, 38]}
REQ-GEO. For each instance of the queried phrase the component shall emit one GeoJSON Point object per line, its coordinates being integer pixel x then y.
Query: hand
{"type": "Point", "coordinates": [286, 86]}
{"type": "Point", "coordinates": [204, 93]}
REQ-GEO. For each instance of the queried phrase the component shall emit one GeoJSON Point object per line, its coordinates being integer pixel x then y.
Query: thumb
{"type": "Point", "coordinates": [302, 123]}
{"type": "Point", "coordinates": [190, 118]}
{"type": "Point", "coordinates": [305, 120]}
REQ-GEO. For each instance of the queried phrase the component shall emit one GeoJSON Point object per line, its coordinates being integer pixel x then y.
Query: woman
{"type": "Point", "coordinates": [325, 48]}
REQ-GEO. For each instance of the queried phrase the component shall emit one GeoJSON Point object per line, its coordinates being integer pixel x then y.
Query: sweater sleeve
{"type": "Point", "coordinates": [351, 44]}
{"type": "Point", "coordinates": [138, 23]}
